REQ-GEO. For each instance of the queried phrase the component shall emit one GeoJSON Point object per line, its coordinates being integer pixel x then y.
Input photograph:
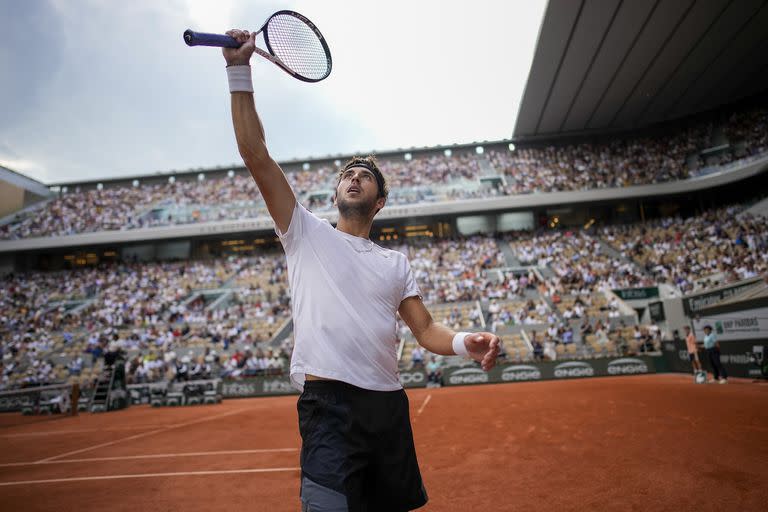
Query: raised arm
{"type": "Point", "coordinates": [483, 347]}
{"type": "Point", "coordinates": [251, 141]}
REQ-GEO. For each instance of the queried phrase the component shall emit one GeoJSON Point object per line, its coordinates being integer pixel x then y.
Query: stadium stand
{"type": "Point", "coordinates": [219, 316]}
{"type": "Point", "coordinates": [703, 251]}
{"type": "Point", "coordinates": [617, 162]}
{"type": "Point", "coordinates": [545, 288]}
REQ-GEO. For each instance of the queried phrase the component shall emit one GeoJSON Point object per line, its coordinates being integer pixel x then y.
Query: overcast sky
{"type": "Point", "coordinates": [104, 88]}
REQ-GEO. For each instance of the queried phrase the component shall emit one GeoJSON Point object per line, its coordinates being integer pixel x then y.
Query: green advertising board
{"type": "Point", "coordinates": [458, 376]}
{"type": "Point", "coordinates": [281, 384]}
{"type": "Point", "coordinates": [258, 386]}
{"type": "Point", "coordinates": [413, 378]}
{"type": "Point", "coordinates": [637, 293]}
{"type": "Point", "coordinates": [743, 359]}
{"type": "Point", "coordinates": [552, 370]}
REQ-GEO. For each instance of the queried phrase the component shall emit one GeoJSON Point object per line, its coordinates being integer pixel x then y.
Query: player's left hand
{"type": "Point", "coordinates": [483, 347]}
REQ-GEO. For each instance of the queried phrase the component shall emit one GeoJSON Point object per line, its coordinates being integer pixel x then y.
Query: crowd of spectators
{"type": "Point", "coordinates": [55, 325]}
{"type": "Point", "coordinates": [623, 162]}
{"type": "Point", "coordinates": [703, 251]}
{"type": "Point", "coordinates": [502, 314]}
{"type": "Point", "coordinates": [124, 207]}
{"type": "Point", "coordinates": [558, 340]}
{"type": "Point", "coordinates": [579, 262]}
{"type": "Point", "coordinates": [23, 362]}
{"type": "Point", "coordinates": [750, 128]}
{"type": "Point", "coordinates": [589, 166]}
{"type": "Point", "coordinates": [619, 162]}
{"type": "Point", "coordinates": [150, 309]}
{"type": "Point", "coordinates": [456, 270]}
{"type": "Point", "coordinates": [431, 170]}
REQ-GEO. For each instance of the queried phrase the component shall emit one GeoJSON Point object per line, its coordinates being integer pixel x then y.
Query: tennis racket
{"type": "Point", "coordinates": [294, 43]}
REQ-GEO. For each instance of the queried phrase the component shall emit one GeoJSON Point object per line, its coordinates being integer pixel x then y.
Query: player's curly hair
{"type": "Point", "coordinates": [369, 162]}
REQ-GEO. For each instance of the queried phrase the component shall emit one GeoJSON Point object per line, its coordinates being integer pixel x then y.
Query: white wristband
{"type": "Point", "coordinates": [239, 78]}
{"type": "Point", "coordinates": [459, 348]}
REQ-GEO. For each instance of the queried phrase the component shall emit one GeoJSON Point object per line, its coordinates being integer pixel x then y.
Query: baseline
{"type": "Point", "coordinates": [149, 475]}
{"type": "Point", "coordinates": [150, 456]}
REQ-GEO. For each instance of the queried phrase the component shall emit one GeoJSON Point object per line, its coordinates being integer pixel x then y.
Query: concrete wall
{"type": "Point", "coordinates": [11, 199]}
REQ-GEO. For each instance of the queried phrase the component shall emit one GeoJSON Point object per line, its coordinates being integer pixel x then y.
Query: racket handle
{"type": "Point", "coordinates": [193, 38]}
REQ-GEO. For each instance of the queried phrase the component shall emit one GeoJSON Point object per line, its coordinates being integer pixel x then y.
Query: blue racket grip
{"type": "Point", "coordinates": [193, 38]}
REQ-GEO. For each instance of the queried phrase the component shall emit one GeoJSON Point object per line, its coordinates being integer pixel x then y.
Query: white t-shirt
{"type": "Point", "coordinates": [345, 293]}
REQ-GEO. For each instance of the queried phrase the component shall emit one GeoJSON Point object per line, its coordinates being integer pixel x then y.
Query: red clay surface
{"type": "Point", "coordinates": [626, 443]}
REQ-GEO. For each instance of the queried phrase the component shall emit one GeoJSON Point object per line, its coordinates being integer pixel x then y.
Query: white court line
{"type": "Point", "coordinates": [151, 456]}
{"type": "Point", "coordinates": [149, 475]}
{"type": "Point", "coordinates": [77, 431]}
{"type": "Point", "coordinates": [426, 401]}
{"type": "Point", "coordinates": [139, 436]}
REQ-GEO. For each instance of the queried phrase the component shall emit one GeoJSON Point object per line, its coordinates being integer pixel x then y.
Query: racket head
{"type": "Point", "coordinates": [298, 45]}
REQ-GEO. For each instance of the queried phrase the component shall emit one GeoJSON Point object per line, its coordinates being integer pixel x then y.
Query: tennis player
{"type": "Point", "coordinates": [357, 445]}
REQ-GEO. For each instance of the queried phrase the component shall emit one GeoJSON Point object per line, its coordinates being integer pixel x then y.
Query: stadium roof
{"type": "Point", "coordinates": [612, 65]}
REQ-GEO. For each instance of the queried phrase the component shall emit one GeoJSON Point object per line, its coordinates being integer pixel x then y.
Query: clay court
{"type": "Point", "coordinates": [654, 442]}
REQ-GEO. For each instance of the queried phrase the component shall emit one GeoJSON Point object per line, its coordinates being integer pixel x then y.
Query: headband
{"type": "Point", "coordinates": [376, 173]}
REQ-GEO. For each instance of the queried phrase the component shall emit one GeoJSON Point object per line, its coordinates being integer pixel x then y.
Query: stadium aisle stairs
{"type": "Point", "coordinates": [284, 331]}
{"type": "Point", "coordinates": [509, 255]}
{"type": "Point", "coordinates": [546, 272]}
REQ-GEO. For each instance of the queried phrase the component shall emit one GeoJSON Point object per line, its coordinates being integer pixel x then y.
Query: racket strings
{"type": "Point", "coordinates": [296, 44]}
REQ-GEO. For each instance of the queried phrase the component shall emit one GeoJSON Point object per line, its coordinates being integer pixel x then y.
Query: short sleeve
{"type": "Point", "coordinates": [301, 220]}
{"type": "Point", "coordinates": [411, 288]}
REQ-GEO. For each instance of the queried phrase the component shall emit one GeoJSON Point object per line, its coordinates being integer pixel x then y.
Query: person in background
{"type": "Point", "coordinates": [417, 357]}
{"type": "Point", "coordinates": [182, 369]}
{"type": "Point", "coordinates": [693, 350]}
{"type": "Point", "coordinates": [712, 346]}
{"type": "Point", "coordinates": [434, 373]}
{"type": "Point", "coordinates": [567, 335]}
{"type": "Point", "coordinates": [75, 365]}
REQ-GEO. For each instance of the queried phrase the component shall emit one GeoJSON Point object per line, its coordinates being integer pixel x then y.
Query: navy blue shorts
{"type": "Point", "coordinates": [357, 452]}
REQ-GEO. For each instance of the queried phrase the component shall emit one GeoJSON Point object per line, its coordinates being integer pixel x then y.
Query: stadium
{"type": "Point", "coordinates": [146, 321]}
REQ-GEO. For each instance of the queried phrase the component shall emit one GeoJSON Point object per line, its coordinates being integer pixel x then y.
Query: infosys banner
{"type": "Point", "coordinates": [550, 371]}
{"type": "Point", "coordinates": [695, 303]}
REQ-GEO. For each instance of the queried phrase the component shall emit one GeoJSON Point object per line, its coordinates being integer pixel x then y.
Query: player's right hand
{"type": "Point", "coordinates": [240, 56]}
